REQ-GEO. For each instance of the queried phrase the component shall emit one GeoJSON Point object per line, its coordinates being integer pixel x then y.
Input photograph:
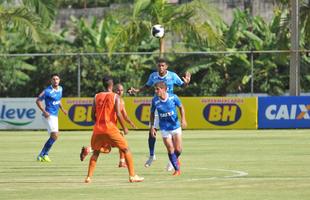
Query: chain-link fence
{"type": "Point", "coordinates": [213, 73]}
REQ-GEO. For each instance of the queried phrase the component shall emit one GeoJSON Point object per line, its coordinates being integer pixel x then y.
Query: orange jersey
{"type": "Point", "coordinates": [106, 120]}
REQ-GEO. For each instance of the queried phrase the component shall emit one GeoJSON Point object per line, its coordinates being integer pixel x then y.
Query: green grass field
{"type": "Point", "coordinates": [232, 165]}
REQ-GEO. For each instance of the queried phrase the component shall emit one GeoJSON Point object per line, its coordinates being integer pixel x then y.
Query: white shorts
{"type": "Point", "coordinates": [169, 134]}
{"type": "Point", "coordinates": [51, 124]}
{"type": "Point", "coordinates": [156, 120]}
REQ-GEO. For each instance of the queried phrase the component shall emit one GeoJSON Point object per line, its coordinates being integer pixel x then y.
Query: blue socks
{"type": "Point", "coordinates": [48, 145]}
{"type": "Point", "coordinates": [174, 161]}
{"type": "Point", "coordinates": [177, 153]}
{"type": "Point", "coordinates": [151, 142]}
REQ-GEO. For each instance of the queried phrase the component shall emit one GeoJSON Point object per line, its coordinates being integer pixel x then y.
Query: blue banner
{"type": "Point", "coordinates": [284, 112]}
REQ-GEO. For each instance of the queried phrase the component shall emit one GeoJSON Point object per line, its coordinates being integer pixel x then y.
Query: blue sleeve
{"type": "Point", "coordinates": [41, 97]}
{"type": "Point", "coordinates": [177, 80]}
{"type": "Point", "coordinates": [153, 108]}
{"type": "Point", "coordinates": [150, 81]}
{"type": "Point", "coordinates": [177, 101]}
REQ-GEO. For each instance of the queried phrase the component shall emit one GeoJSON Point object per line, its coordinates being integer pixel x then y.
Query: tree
{"type": "Point", "coordinates": [189, 21]}
{"type": "Point", "coordinates": [20, 25]}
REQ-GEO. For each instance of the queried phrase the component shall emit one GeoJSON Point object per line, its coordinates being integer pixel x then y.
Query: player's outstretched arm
{"type": "Point", "coordinates": [119, 115]}
{"type": "Point", "coordinates": [186, 78]}
{"type": "Point", "coordinates": [133, 91]}
{"type": "Point", "coordinates": [152, 129]}
{"type": "Point", "coordinates": [62, 109]}
{"type": "Point", "coordinates": [93, 110]}
{"type": "Point", "coordinates": [127, 119]}
{"type": "Point", "coordinates": [183, 119]}
{"type": "Point", "coordinates": [40, 105]}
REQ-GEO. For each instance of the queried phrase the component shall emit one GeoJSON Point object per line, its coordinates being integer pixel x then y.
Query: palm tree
{"type": "Point", "coordinates": [304, 13]}
{"type": "Point", "coordinates": [29, 17]}
{"type": "Point", "coordinates": [20, 24]}
{"type": "Point", "coordinates": [304, 28]}
{"type": "Point", "coordinates": [45, 9]}
{"type": "Point", "coordinates": [181, 22]}
{"type": "Point", "coordinates": [19, 19]}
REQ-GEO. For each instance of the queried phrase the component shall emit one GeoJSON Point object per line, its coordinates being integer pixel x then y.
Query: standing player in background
{"type": "Point", "coordinates": [119, 89]}
{"type": "Point", "coordinates": [170, 128]}
{"type": "Point", "coordinates": [105, 113]}
{"type": "Point", "coordinates": [51, 96]}
{"type": "Point", "coordinates": [171, 79]}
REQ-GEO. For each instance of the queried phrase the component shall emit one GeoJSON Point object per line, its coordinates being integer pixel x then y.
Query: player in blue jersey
{"type": "Point", "coordinates": [51, 96]}
{"type": "Point", "coordinates": [171, 79]}
{"type": "Point", "coordinates": [165, 103]}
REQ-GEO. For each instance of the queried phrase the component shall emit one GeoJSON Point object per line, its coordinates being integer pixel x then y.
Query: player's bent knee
{"type": "Point", "coordinates": [96, 153]}
{"type": "Point", "coordinates": [124, 150]}
{"type": "Point", "coordinates": [179, 151]}
{"type": "Point", "coordinates": [54, 136]}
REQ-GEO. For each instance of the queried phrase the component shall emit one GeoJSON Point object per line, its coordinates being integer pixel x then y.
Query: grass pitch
{"type": "Point", "coordinates": [232, 165]}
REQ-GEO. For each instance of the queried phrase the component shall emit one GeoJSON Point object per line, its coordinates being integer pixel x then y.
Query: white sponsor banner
{"type": "Point", "coordinates": [20, 113]}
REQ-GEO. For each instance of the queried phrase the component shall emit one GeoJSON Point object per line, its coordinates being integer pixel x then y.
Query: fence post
{"type": "Point", "coordinates": [294, 55]}
{"type": "Point", "coordinates": [79, 75]}
{"type": "Point", "coordinates": [252, 73]}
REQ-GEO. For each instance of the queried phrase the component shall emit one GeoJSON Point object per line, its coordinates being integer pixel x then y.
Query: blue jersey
{"type": "Point", "coordinates": [52, 99]}
{"type": "Point", "coordinates": [167, 112]}
{"type": "Point", "coordinates": [170, 79]}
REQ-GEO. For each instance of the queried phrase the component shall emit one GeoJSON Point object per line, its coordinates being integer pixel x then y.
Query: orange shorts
{"type": "Point", "coordinates": [104, 142]}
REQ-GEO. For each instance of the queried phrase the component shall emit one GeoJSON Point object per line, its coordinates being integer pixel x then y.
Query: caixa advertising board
{"type": "Point", "coordinates": [284, 112]}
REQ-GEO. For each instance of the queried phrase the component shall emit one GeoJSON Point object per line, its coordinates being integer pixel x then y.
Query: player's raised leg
{"type": "Point", "coordinates": [84, 152]}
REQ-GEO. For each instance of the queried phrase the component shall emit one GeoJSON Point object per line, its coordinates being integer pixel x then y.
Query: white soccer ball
{"type": "Point", "coordinates": [158, 31]}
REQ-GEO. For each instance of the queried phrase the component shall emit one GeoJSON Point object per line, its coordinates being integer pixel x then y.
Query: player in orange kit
{"type": "Point", "coordinates": [119, 89]}
{"type": "Point", "coordinates": [105, 113]}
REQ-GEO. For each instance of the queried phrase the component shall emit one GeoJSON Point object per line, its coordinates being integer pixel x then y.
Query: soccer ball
{"type": "Point", "coordinates": [158, 31]}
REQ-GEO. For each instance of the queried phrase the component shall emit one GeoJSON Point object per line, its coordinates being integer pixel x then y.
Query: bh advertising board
{"type": "Point", "coordinates": [284, 112]}
{"type": "Point", "coordinates": [201, 112]}
{"type": "Point", "coordinates": [79, 114]}
{"type": "Point", "coordinates": [221, 112]}
{"type": "Point", "coordinates": [20, 113]}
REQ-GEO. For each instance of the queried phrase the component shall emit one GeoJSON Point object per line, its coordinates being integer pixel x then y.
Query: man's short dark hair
{"type": "Point", "coordinates": [162, 60]}
{"type": "Point", "coordinates": [106, 81]}
{"type": "Point", "coordinates": [161, 84]}
{"type": "Point", "coordinates": [54, 74]}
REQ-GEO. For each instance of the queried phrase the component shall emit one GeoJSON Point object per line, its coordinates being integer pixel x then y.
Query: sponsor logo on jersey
{"type": "Point", "coordinates": [56, 102]}
{"type": "Point", "coordinates": [222, 114]}
{"type": "Point", "coordinates": [16, 116]}
{"type": "Point", "coordinates": [288, 112]}
{"type": "Point", "coordinates": [167, 114]}
{"type": "Point", "coordinates": [81, 114]}
{"type": "Point", "coordinates": [143, 113]}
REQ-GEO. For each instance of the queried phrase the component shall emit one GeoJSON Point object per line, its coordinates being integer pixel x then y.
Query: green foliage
{"type": "Point", "coordinates": [86, 3]}
{"type": "Point", "coordinates": [21, 20]}
{"type": "Point", "coordinates": [193, 26]}
{"type": "Point", "coordinates": [14, 74]}
{"type": "Point", "coordinates": [45, 9]}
